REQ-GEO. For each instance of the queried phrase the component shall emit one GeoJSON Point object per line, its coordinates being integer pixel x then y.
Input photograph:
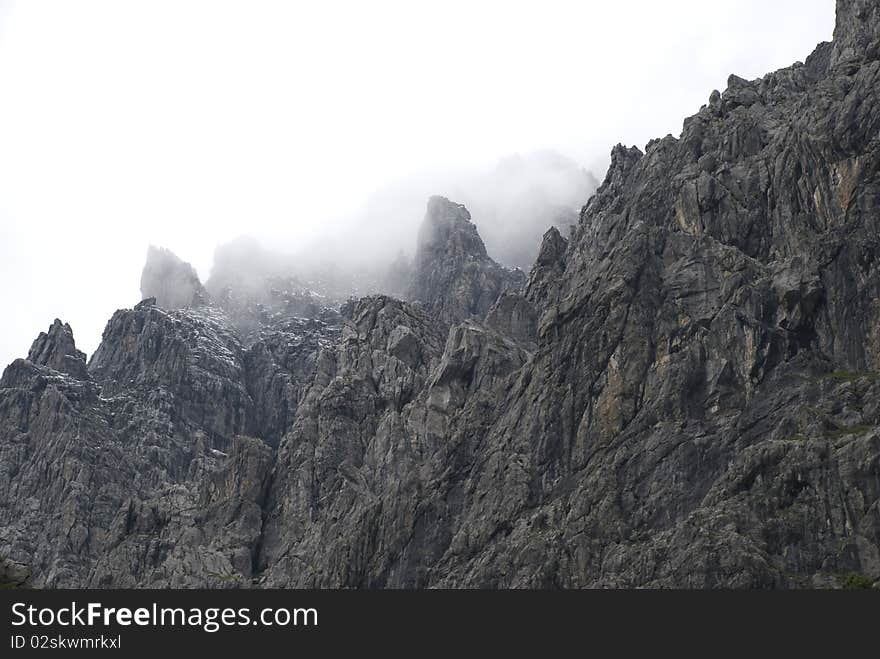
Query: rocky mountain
{"type": "Point", "coordinates": [57, 350]}
{"type": "Point", "coordinates": [682, 393]}
{"type": "Point", "coordinates": [453, 274]}
{"type": "Point", "coordinates": [174, 283]}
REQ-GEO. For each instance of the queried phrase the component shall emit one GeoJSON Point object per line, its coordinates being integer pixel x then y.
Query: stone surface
{"type": "Point", "coordinates": [454, 276]}
{"type": "Point", "coordinates": [684, 392]}
{"type": "Point", "coordinates": [174, 283]}
{"type": "Point", "coordinates": [857, 33]}
{"type": "Point", "coordinates": [57, 349]}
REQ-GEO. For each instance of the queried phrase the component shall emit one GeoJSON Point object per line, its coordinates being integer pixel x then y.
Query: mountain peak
{"type": "Point", "coordinates": [172, 281]}
{"type": "Point", "coordinates": [454, 275]}
{"type": "Point", "coordinates": [56, 349]}
{"type": "Point", "coordinates": [447, 228]}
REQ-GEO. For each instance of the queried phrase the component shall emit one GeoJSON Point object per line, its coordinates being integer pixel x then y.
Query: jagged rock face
{"type": "Point", "coordinates": [548, 267]}
{"type": "Point", "coordinates": [140, 472]}
{"type": "Point", "coordinates": [686, 393]}
{"type": "Point", "coordinates": [857, 33]}
{"type": "Point", "coordinates": [12, 574]}
{"type": "Point", "coordinates": [280, 366]}
{"type": "Point", "coordinates": [57, 349]}
{"type": "Point", "coordinates": [681, 423]}
{"type": "Point", "coordinates": [454, 276]}
{"type": "Point", "coordinates": [188, 357]}
{"type": "Point", "coordinates": [700, 410]}
{"type": "Point", "coordinates": [370, 475]}
{"type": "Point", "coordinates": [349, 456]}
{"type": "Point", "coordinates": [174, 283]}
{"type": "Point", "coordinates": [514, 316]}
{"type": "Point", "coordinates": [202, 531]}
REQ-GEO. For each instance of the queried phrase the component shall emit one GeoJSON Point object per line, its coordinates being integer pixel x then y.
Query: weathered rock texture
{"type": "Point", "coordinates": [56, 349]}
{"type": "Point", "coordinates": [857, 33]}
{"type": "Point", "coordinates": [685, 393]}
{"type": "Point", "coordinates": [454, 276]}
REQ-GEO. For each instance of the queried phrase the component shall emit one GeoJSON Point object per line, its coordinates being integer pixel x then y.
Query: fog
{"type": "Point", "coordinates": [321, 129]}
{"type": "Point", "coordinates": [513, 202]}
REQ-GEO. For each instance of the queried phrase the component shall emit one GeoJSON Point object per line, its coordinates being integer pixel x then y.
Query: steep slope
{"type": "Point", "coordinates": [174, 283]}
{"type": "Point", "coordinates": [454, 276]}
{"type": "Point", "coordinates": [152, 467]}
{"type": "Point", "coordinates": [56, 349]}
{"type": "Point", "coordinates": [684, 393]}
{"type": "Point", "coordinates": [701, 410]}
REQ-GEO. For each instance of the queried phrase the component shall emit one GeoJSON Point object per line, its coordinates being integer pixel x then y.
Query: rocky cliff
{"type": "Point", "coordinates": [174, 283]}
{"type": "Point", "coordinates": [454, 276]}
{"type": "Point", "coordinates": [683, 393]}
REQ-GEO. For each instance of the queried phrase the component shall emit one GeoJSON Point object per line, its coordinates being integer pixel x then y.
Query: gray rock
{"type": "Point", "coordinates": [684, 393]}
{"type": "Point", "coordinates": [857, 34]}
{"type": "Point", "coordinates": [12, 574]}
{"type": "Point", "coordinates": [514, 316]}
{"type": "Point", "coordinates": [57, 349]}
{"type": "Point", "coordinates": [454, 276]}
{"type": "Point", "coordinates": [172, 282]}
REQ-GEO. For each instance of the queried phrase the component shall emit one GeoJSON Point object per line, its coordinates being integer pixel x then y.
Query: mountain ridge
{"type": "Point", "coordinates": [682, 393]}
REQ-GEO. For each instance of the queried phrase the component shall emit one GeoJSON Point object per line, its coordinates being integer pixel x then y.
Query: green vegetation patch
{"type": "Point", "coordinates": [850, 376]}
{"type": "Point", "coordinates": [857, 582]}
{"type": "Point", "coordinates": [860, 429]}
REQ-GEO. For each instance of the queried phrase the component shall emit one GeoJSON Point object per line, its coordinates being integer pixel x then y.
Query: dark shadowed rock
{"type": "Point", "coordinates": [191, 357]}
{"type": "Point", "coordinates": [12, 574]}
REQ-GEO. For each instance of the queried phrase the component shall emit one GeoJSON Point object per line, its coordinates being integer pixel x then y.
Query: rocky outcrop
{"type": "Point", "coordinates": [514, 316]}
{"type": "Point", "coordinates": [350, 456]}
{"type": "Point", "coordinates": [684, 393]}
{"type": "Point", "coordinates": [454, 277]}
{"type": "Point", "coordinates": [143, 473]}
{"type": "Point", "coordinates": [280, 366]}
{"type": "Point", "coordinates": [189, 358]}
{"type": "Point", "coordinates": [203, 530]}
{"type": "Point", "coordinates": [857, 33]}
{"type": "Point", "coordinates": [12, 574]}
{"type": "Point", "coordinates": [548, 267]}
{"type": "Point", "coordinates": [523, 196]}
{"type": "Point", "coordinates": [172, 282]}
{"type": "Point", "coordinates": [57, 350]}
{"type": "Point", "coordinates": [692, 415]}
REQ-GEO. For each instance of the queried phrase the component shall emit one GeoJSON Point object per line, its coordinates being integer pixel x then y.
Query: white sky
{"type": "Point", "coordinates": [186, 124]}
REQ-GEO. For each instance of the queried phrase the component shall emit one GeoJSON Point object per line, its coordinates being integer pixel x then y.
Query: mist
{"type": "Point", "coordinates": [371, 251]}
{"type": "Point", "coordinates": [512, 201]}
{"type": "Point", "coordinates": [320, 131]}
